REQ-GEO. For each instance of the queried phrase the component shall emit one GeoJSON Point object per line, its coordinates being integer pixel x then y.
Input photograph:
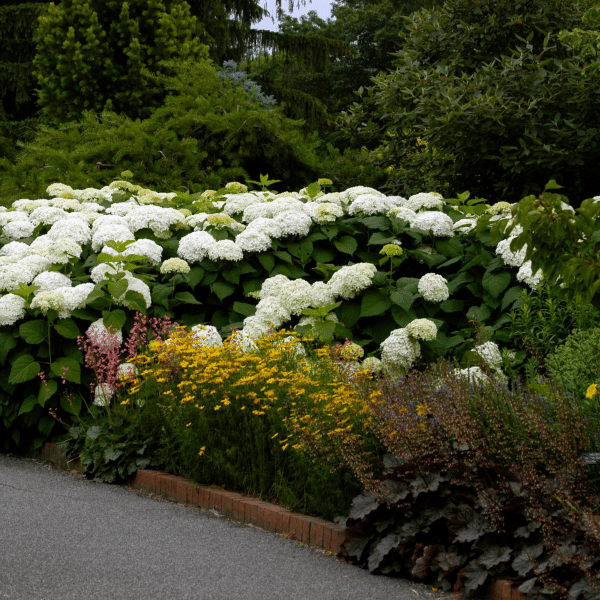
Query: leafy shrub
{"type": "Point", "coordinates": [91, 54]}
{"type": "Point", "coordinates": [576, 363]}
{"type": "Point", "coordinates": [543, 321]}
{"type": "Point", "coordinates": [206, 134]}
{"type": "Point", "coordinates": [495, 91]}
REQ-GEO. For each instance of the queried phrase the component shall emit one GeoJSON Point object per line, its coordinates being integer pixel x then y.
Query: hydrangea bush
{"type": "Point", "coordinates": [407, 279]}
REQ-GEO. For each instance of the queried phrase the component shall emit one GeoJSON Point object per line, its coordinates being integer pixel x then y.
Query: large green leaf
{"type": "Point", "coordinates": [67, 368]}
{"type": "Point", "coordinates": [222, 289]}
{"type": "Point", "coordinates": [117, 288]}
{"type": "Point", "coordinates": [186, 298]}
{"type": "Point", "coordinates": [23, 369]}
{"type": "Point", "coordinates": [482, 313]}
{"type": "Point", "coordinates": [244, 309]}
{"type": "Point", "coordinates": [402, 297]}
{"type": "Point", "coordinates": [7, 343]}
{"type": "Point", "coordinates": [374, 303]}
{"type": "Point", "coordinates": [267, 261]}
{"type": "Point", "coordinates": [162, 291]}
{"type": "Point", "coordinates": [194, 277]}
{"type": "Point", "coordinates": [34, 332]}
{"type": "Point", "coordinates": [46, 391]}
{"type": "Point", "coordinates": [346, 244]}
{"type": "Point", "coordinates": [67, 328]}
{"type": "Point", "coordinates": [495, 283]}
{"type": "Point", "coordinates": [28, 404]}
{"type": "Point", "coordinates": [114, 320]}
{"type": "Point", "coordinates": [135, 301]}
{"type": "Point", "coordinates": [450, 306]}
{"type": "Point", "coordinates": [511, 296]}
{"type": "Point", "coordinates": [323, 255]}
{"type": "Point", "coordinates": [348, 313]}
{"type": "Point", "coordinates": [301, 250]}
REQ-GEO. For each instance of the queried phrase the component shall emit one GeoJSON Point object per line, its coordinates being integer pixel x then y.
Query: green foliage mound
{"type": "Point", "coordinates": [576, 363]}
{"type": "Point", "coordinates": [91, 54]}
{"type": "Point", "coordinates": [206, 133]}
{"type": "Point", "coordinates": [494, 97]}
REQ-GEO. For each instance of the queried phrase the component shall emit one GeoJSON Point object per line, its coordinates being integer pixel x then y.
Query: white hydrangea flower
{"type": "Point", "coordinates": [465, 225]}
{"type": "Point", "coordinates": [368, 204]}
{"type": "Point", "coordinates": [510, 258]}
{"type": "Point", "coordinates": [294, 222]}
{"type": "Point", "coordinates": [57, 252]}
{"type": "Point", "coordinates": [12, 216]}
{"type": "Point", "coordinates": [255, 327]}
{"type": "Point", "coordinates": [322, 295]}
{"type": "Point", "coordinates": [402, 212]}
{"type": "Point", "coordinates": [296, 296]}
{"type": "Point", "coordinates": [324, 212]}
{"type": "Point", "coordinates": [109, 221]}
{"type": "Point", "coordinates": [256, 211]}
{"type": "Point", "coordinates": [500, 208]}
{"type": "Point", "coordinates": [350, 280]}
{"type": "Point", "coordinates": [225, 250]}
{"type": "Point", "coordinates": [253, 241]}
{"type": "Point", "coordinates": [12, 309]}
{"type": "Point", "coordinates": [50, 280]}
{"type": "Point", "coordinates": [127, 371]}
{"type": "Point", "coordinates": [312, 321]}
{"type": "Point", "coordinates": [291, 343]}
{"type": "Point", "coordinates": [58, 189]}
{"type": "Point", "coordinates": [526, 275]}
{"type": "Point", "coordinates": [196, 221]}
{"type": "Point", "coordinates": [433, 287]}
{"type": "Point", "coordinates": [242, 341]}
{"type": "Point", "coordinates": [143, 247]}
{"type": "Point", "coordinates": [174, 265]}
{"type": "Point", "coordinates": [101, 337]}
{"type": "Point", "coordinates": [473, 375]}
{"type": "Point", "coordinates": [266, 226]}
{"type": "Point", "coordinates": [235, 187]}
{"type": "Point", "coordinates": [122, 209]}
{"type": "Point", "coordinates": [333, 198]}
{"type": "Point", "coordinates": [12, 275]}
{"type": "Point", "coordinates": [73, 297]}
{"type": "Point", "coordinates": [66, 204]}
{"type": "Point", "coordinates": [272, 286]}
{"type": "Point", "coordinates": [194, 247]}
{"type": "Point", "coordinates": [73, 229]}
{"type": "Point", "coordinates": [14, 249]}
{"type": "Point", "coordinates": [422, 329]}
{"type": "Point", "coordinates": [46, 301]}
{"type": "Point", "coordinates": [28, 205]}
{"type": "Point", "coordinates": [490, 353]}
{"type": "Point", "coordinates": [271, 310]}
{"type": "Point", "coordinates": [400, 349]}
{"type": "Point", "coordinates": [206, 335]}
{"type": "Point", "coordinates": [425, 200]}
{"type": "Point", "coordinates": [47, 215]}
{"type": "Point", "coordinates": [106, 233]}
{"type": "Point", "coordinates": [238, 203]}
{"type": "Point", "coordinates": [103, 394]}
{"type": "Point", "coordinates": [436, 223]}
{"type": "Point", "coordinates": [91, 194]}
{"type": "Point", "coordinates": [159, 219]}
{"type": "Point", "coordinates": [103, 270]}
{"type": "Point", "coordinates": [91, 207]}
{"type": "Point", "coordinates": [17, 230]}
{"type": "Point", "coordinates": [372, 364]}
{"type": "Point", "coordinates": [352, 193]}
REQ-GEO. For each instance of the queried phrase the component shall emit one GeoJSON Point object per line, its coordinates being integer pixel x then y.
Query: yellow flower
{"type": "Point", "coordinates": [188, 424]}
{"type": "Point", "coordinates": [125, 402]}
{"type": "Point", "coordinates": [421, 410]}
{"type": "Point", "coordinates": [202, 451]}
{"type": "Point", "coordinates": [592, 391]}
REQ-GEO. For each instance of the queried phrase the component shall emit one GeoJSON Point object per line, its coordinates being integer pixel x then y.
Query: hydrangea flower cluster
{"type": "Point", "coordinates": [174, 265]}
{"type": "Point", "coordinates": [400, 349]}
{"type": "Point", "coordinates": [422, 329]}
{"type": "Point", "coordinates": [206, 335]}
{"type": "Point", "coordinates": [433, 287]}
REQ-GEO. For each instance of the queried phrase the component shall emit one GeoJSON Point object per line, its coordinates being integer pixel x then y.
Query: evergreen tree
{"type": "Point", "coordinates": [91, 54]}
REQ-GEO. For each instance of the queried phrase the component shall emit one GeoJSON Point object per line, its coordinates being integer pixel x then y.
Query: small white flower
{"type": "Point", "coordinates": [425, 200]}
{"type": "Point", "coordinates": [73, 229]}
{"type": "Point", "coordinates": [109, 232]}
{"type": "Point", "coordinates": [50, 280]}
{"type": "Point", "coordinates": [253, 241]}
{"type": "Point", "coordinates": [294, 222]}
{"type": "Point", "coordinates": [255, 327]}
{"type": "Point", "coordinates": [465, 225]}
{"type": "Point", "coordinates": [127, 371]}
{"type": "Point", "coordinates": [50, 300]}
{"type": "Point", "coordinates": [100, 337]}
{"type": "Point", "coordinates": [12, 309]}
{"type": "Point", "coordinates": [368, 204]}
{"type": "Point", "coordinates": [473, 375]}
{"type": "Point", "coordinates": [422, 329]}
{"type": "Point", "coordinates": [206, 335]}
{"type": "Point", "coordinates": [433, 288]}
{"type": "Point", "coordinates": [273, 286]}
{"type": "Point", "coordinates": [174, 265]}
{"type": "Point", "coordinates": [271, 310]}
{"type": "Point", "coordinates": [194, 246]}
{"type": "Point", "coordinates": [296, 296]}
{"type": "Point", "coordinates": [242, 341]}
{"type": "Point", "coordinates": [58, 189]}
{"type": "Point", "coordinates": [103, 394]}
{"type": "Point", "coordinates": [225, 250]}
{"type": "Point", "coordinates": [352, 279]}
{"type": "Point", "coordinates": [402, 212]}
{"type": "Point", "coordinates": [526, 275]}
{"type": "Point", "coordinates": [436, 223]}
{"type": "Point", "coordinates": [400, 350]}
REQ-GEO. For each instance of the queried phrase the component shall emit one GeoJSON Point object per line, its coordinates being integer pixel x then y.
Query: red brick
{"type": "Point", "coordinates": [283, 522]}
{"type": "Point", "coordinates": [333, 537]}
{"type": "Point", "coordinates": [300, 526]}
{"type": "Point", "coordinates": [516, 594]}
{"type": "Point", "coordinates": [239, 508]}
{"type": "Point", "coordinates": [205, 497]}
{"type": "Point", "coordinates": [146, 480]}
{"type": "Point", "coordinates": [317, 532]}
{"type": "Point", "coordinates": [253, 512]}
{"type": "Point", "coordinates": [192, 494]}
{"type": "Point", "coordinates": [228, 503]}
{"type": "Point", "coordinates": [270, 514]}
{"type": "Point", "coordinates": [181, 489]}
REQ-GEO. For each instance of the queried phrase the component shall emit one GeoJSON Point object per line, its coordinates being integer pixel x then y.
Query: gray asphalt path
{"type": "Point", "coordinates": [63, 537]}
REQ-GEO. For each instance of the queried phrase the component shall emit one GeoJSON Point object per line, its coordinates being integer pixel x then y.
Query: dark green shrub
{"type": "Point", "coordinates": [91, 54]}
{"type": "Point", "coordinates": [489, 96]}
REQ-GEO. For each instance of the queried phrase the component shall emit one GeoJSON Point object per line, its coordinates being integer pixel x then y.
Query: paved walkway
{"type": "Point", "coordinates": [63, 537]}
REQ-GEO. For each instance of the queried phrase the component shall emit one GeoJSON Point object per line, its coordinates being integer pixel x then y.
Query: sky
{"type": "Point", "coordinates": [323, 8]}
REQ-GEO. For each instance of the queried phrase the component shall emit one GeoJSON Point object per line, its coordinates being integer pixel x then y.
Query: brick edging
{"type": "Point", "coordinates": [312, 531]}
